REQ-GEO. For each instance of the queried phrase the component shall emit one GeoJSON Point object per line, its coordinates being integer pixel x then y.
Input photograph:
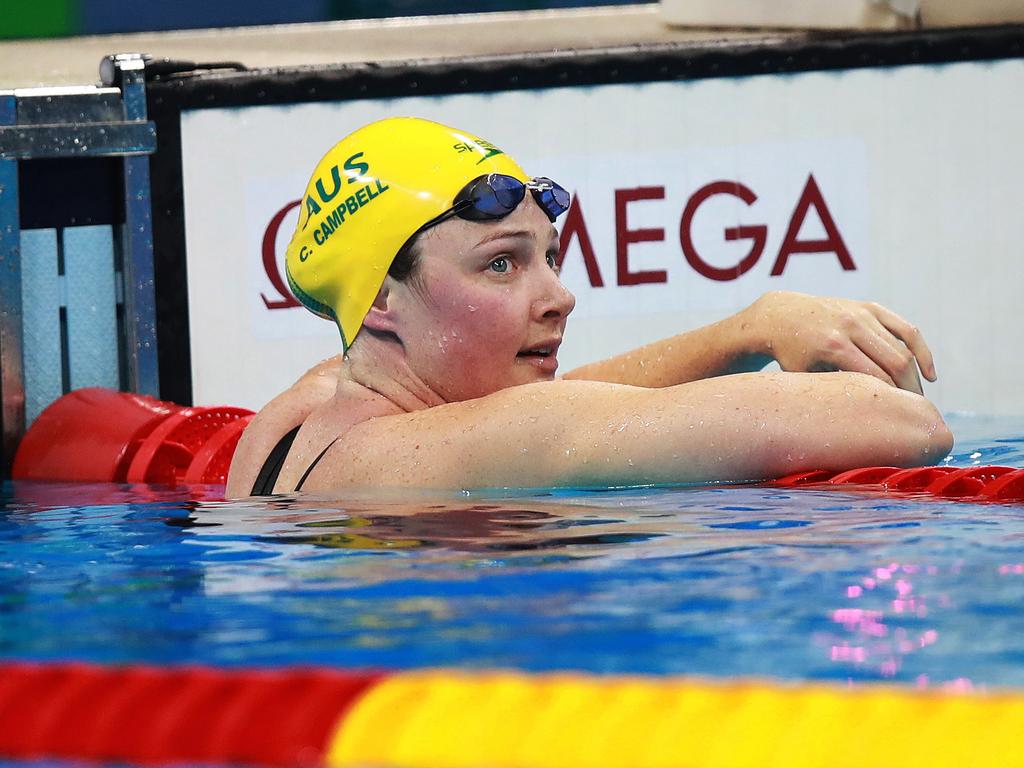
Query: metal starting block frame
{"type": "Point", "coordinates": [82, 293]}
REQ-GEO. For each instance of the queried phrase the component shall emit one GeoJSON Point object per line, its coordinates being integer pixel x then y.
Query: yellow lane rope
{"type": "Point", "coordinates": [447, 719]}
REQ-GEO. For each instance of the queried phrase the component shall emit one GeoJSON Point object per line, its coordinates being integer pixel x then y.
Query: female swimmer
{"type": "Point", "coordinates": [435, 254]}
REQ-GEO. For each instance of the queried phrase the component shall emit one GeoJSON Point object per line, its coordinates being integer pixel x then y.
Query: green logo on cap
{"type": "Point", "coordinates": [479, 145]}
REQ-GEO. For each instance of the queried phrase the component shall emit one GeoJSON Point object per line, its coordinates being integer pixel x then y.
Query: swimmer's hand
{"type": "Point", "coordinates": [811, 333]}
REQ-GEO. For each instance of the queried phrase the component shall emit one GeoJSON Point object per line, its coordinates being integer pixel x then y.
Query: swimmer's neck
{"type": "Point", "coordinates": [377, 362]}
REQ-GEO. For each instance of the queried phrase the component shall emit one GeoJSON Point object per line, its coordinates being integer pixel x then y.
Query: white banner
{"type": "Point", "coordinates": [710, 229]}
{"type": "Point", "coordinates": [690, 200]}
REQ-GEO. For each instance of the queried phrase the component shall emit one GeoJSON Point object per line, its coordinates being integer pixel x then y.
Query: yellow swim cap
{"type": "Point", "coordinates": [367, 197]}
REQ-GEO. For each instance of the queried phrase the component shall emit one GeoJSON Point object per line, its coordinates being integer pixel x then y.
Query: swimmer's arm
{"type": "Point", "coordinates": [282, 414]}
{"type": "Point", "coordinates": [718, 349]}
{"type": "Point", "coordinates": [566, 433]}
{"type": "Point", "coordinates": [800, 332]}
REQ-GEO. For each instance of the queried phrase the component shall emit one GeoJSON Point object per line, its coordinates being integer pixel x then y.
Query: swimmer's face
{"type": "Point", "coordinates": [485, 309]}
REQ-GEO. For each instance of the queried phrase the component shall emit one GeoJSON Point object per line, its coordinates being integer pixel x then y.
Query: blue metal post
{"type": "Point", "coordinates": [12, 382]}
{"type": "Point", "coordinates": [139, 293]}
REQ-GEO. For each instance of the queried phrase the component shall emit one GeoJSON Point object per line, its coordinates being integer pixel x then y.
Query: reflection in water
{"type": "Point", "coordinates": [478, 528]}
{"type": "Point", "coordinates": [688, 566]}
{"type": "Point", "coordinates": [453, 526]}
{"type": "Point", "coordinates": [870, 637]}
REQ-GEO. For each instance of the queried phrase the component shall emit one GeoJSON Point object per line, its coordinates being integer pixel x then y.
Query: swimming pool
{"type": "Point", "coordinates": [721, 582]}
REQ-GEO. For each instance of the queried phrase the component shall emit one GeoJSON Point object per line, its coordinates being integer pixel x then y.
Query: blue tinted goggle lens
{"type": "Point", "coordinates": [496, 195]}
{"type": "Point", "coordinates": [551, 197]}
{"type": "Point", "coordinates": [489, 197]}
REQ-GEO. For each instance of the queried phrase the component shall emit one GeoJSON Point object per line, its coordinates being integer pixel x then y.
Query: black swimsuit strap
{"type": "Point", "coordinates": [267, 478]}
{"type": "Point", "coordinates": [298, 486]}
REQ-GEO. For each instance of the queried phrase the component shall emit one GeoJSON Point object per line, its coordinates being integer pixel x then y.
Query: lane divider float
{"type": "Point", "coordinates": [453, 719]}
{"type": "Point", "coordinates": [981, 483]}
{"type": "Point", "coordinates": [100, 435]}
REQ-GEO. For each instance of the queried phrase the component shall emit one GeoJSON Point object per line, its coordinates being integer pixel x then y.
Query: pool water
{"type": "Point", "coordinates": [800, 584]}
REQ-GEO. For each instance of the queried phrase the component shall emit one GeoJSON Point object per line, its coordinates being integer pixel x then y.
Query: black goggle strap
{"type": "Point", "coordinates": [455, 210]}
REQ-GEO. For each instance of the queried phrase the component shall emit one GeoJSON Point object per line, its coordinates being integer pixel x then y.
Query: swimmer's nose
{"type": "Point", "coordinates": [557, 300]}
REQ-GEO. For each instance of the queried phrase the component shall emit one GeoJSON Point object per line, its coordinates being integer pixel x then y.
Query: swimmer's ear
{"type": "Point", "coordinates": [381, 316]}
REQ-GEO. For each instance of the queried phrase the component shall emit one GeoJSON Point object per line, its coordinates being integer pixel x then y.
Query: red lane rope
{"type": "Point", "coordinates": [101, 435]}
{"type": "Point", "coordinates": [144, 714]}
{"type": "Point", "coordinates": [988, 483]}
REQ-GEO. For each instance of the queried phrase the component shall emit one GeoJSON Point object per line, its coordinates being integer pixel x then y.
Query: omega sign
{"type": "Point", "coordinates": [810, 204]}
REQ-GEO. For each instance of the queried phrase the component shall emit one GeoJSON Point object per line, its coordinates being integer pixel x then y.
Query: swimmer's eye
{"type": "Point", "coordinates": [500, 265]}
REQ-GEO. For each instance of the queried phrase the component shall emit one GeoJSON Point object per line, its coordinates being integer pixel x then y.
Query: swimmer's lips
{"type": "Point", "coordinates": [543, 355]}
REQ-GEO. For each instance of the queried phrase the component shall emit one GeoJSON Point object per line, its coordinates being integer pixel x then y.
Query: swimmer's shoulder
{"type": "Point", "coordinates": [276, 419]}
{"type": "Point", "coordinates": [329, 423]}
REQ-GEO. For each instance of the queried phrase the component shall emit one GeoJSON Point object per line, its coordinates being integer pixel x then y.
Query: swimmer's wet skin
{"type": "Point", "coordinates": [446, 294]}
{"type": "Point", "coordinates": [595, 434]}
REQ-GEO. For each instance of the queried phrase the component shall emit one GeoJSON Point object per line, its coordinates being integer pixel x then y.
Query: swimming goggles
{"type": "Point", "coordinates": [495, 196]}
